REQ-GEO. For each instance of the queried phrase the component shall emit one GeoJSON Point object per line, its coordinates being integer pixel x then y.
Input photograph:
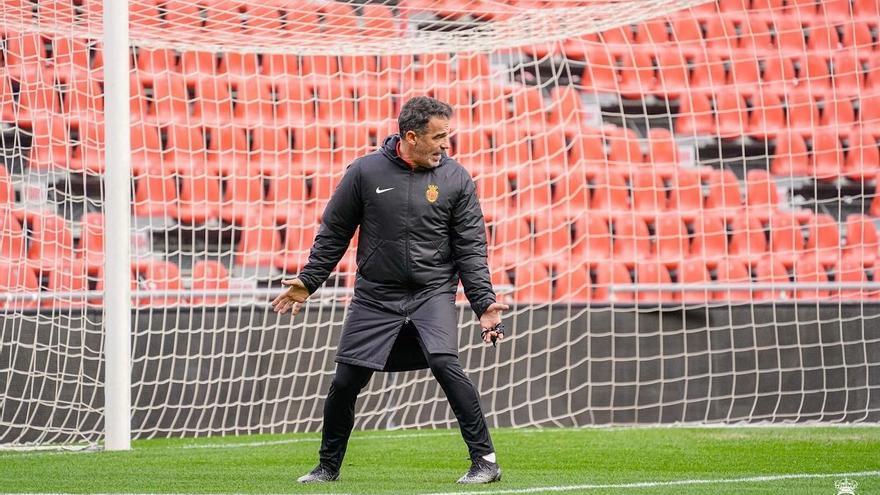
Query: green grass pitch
{"type": "Point", "coordinates": [745, 460]}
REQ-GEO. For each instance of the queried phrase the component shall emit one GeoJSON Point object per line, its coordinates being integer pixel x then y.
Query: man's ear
{"type": "Point", "coordinates": [410, 137]}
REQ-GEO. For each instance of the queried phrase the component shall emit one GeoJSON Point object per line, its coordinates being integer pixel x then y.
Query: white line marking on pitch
{"type": "Point", "coordinates": [655, 484]}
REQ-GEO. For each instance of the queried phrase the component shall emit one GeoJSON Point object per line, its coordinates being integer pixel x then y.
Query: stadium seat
{"type": "Point", "coordinates": [534, 193]}
{"type": "Point", "coordinates": [710, 240]}
{"type": "Point", "coordinates": [591, 242]}
{"type": "Point", "coordinates": [708, 73]}
{"type": "Point", "coordinates": [379, 21]}
{"type": "Point", "coordinates": [695, 116]}
{"type": "Point", "coordinates": [848, 77]}
{"type": "Point", "coordinates": [158, 275]}
{"type": "Point", "coordinates": [511, 147]}
{"type": "Point", "coordinates": [254, 103]}
{"type": "Point", "coordinates": [662, 153]}
{"type": "Point", "coordinates": [213, 102]}
{"type": "Point", "coordinates": [491, 107]}
{"type": "Point", "coordinates": [50, 241]}
{"type": "Point", "coordinates": [296, 102]}
{"type": "Point", "coordinates": [827, 154]}
{"type": "Point", "coordinates": [7, 193]}
{"type": "Point", "coordinates": [803, 112]}
{"type": "Point", "coordinates": [227, 151]}
{"type": "Point", "coordinates": [747, 241]}
{"type": "Point", "coordinates": [170, 102]}
{"type": "Point", "coordinates": [87, 150]}
{"type": "Point", "coordinates": [65, 278]}
{"type": "Point", "coordinates": [693, 271]}
{"type": "Point", "coordinates": [786, 238]}
{"type": "Point", "coordinates": [720, 34]}
{"type": "Point", "coordinates": [724, 197]}
{"type": "Point", "coordinates": [552, 241]}
{"type": "Point", "coordinates": [686, 32]}
{"type": "Point", "coordinates": [732, 113]}
{"type": "Point", "coordinates": [600, 72]}
{"type": "Point", "coordinates": [495, 194]}
{"type": "Point", "coordinates": [510, 240]}
{"type": "Point", "coordinates": [814, 75]}
{"type": "Point", "coordinates": [671, 244]}
{"type": "Point", "coordinates": [259, 243]}
{"type": "Point", "coordinates": [636, 72]}
{"type": "Point", "coordinates": [732, 271]}
{"type": "Point", "coordinates": [90, 247]}
{"type": "Point", "coordinates": [17, 277]}
{"type": "Point", "coordinates": [767, 118]}
{"type": "Point", "coordinates": [652, 32]}
{"type": "Point", "coordinates": [866, 9]}
{"type": "Point", "coordinates": [335, 103]}
{"type": "Point", "coordinates": [532, 283]}
{"type": "Point", "coordinates": [790, 158]}
{"type": "Point", "coordinates": [875, 202]}
{"type": "Point", "coordinates": [756, 36]}
{"type": "Point", "coordinates": [185, 150]}
{"type": "Point", "coordinates": [298, 239]}
{"type": "Point", "coordinates": [153, 64]}
{"type": "Point", "coordinates": [762, 196]}
{"type": "Point", "coordinates": [809, 270]}
{"type": "Point", "coordinates": [744, 76]}
{"type": "Point", "coordinates": [849, 270]}
{"type": "Point", "coordinates": [243, 200]}
{"type": "Point", "coordinates": [375, 104]}
{"type": "Point", "coordinates": [653, 273]}
{"type": "Point", "coordinates": [610, 195]}
{"type": "Point", "coordinates": [779, 74]}
{"type": "Point", "coordinates": [238, 67]}
{"type": "Point", "coordinates": [648, 193]}
{"type": "Point", "coordinates": [632, 240]}
{"type": "Point", "coordinates": [624, 148]}
{"type": "Point", "coordinates": [836, 10]}
{"type": "Point", "coordinates": [37, 101]}
{"type": "Point", "coordinates": [12, 241]}
{"type": "Point", "coordinates": [789, 34]}
{"type": "Point", "coordinates": [686, 194]}
{"type": "Point", "coordinates": [823, 38]}
{"type": "Point", "coordinates": [672, 74]}
{"type": "Point", "coordinates": [572, 194]}
{"type": "Point", "coordinates": [863, 157]}
{"type": "Point", "coordinates": [838, 114]}
{"type": "Point", "coordinates": [573, 285]}
{"type": "Point", "coordinates": [529, 108]}
{"type": "Point", "coordinates": [566, 110]}
{"type": "Point", "coordinates": [208, 275]}
{"type": "Point", "coordinates": [279, 66]}
{"type": "Point", "coordinates": [772, 271]}
{"type": "Point", "coordinates": [612, 273]}
{"type": "Point", "coordinates": [25, 57]}
{"type": "Point", "coordinates": [155, 195]}
{"type": "Point", "coordinates": [196, 65]}
{"type": "Point", "coordinates": [312, 148]}
{"type": "Point", "coordinates": [472, 149]}
{"type": "Point", "coordinates": [71, 60]}
{"type": "Point", "coordinates": [550, 152]}
{"type": "Point", "coordinates": [199, 199]}
{"type": "Point", "coordinates": [823, 239]}
{"type": "Point", "coordinates": [588, 153]}
{"type": "Point", "coordinates": [50, 146]}
{"type": "Point", "coordinates": [862, 240]}
{"type": "Point", "coordinates": [7, 100]}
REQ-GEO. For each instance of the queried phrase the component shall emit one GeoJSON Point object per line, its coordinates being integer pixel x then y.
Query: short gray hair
{"type": "Point", "coordinates": [416, 113]}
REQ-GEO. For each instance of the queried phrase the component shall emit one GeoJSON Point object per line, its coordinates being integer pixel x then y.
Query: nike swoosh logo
{"type": "Point", "coordinates": [380, 191]}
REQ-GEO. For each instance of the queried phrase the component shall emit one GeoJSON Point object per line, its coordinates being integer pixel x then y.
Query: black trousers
{"type": "Point", "coordinates": [350, 380]}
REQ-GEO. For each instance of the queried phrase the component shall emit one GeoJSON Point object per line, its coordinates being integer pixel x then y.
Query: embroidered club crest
{"type": "Point", "coordinates": [432, 193]}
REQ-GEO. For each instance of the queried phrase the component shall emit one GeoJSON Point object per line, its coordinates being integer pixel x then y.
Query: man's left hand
{"type": "Point", "coordinates": [490, 319]}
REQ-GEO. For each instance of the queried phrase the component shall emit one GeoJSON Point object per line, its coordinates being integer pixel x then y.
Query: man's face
{"type": "Point", "coordinates": [428, 147]}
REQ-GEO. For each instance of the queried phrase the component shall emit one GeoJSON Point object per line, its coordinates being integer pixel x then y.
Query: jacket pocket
{"type": "Point", "coordinates": [442, 252]}
{"type": "Point", "coordinates": [363, 266]}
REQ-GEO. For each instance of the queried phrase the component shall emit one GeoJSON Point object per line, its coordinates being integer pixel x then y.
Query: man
{"type": "Point", "coordinates": [421, 230]}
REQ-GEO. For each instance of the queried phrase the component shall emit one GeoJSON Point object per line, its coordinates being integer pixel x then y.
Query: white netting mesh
{"type": "Point", "coordinates": [719, 160]}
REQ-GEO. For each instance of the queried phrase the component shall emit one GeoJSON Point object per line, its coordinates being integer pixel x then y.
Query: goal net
{"type": "Point", "coordinates": [680, 202]}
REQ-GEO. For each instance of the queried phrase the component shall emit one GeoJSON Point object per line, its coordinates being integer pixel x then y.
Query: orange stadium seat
{"type": "Point", "coordinates": [814, 77]}
{"type": "Point", "coordinates": [573, 284]}
{"type": "Point", "coordinates": [152, 64]}
{"type": "Point", "coordinates": [312, 148]}
{"type": "Point", "coordinates": [26, 56]}
{"type": "Point", "coordinates": [213, 103]}
{"type": "Point", "coordinates": [610, 194]}
{"type": "Point", "coordinates": [867, 9]}
{"type": "Point", "coordinates": [695, 116]}
{"type": "Point", "coordinates": [624, 150]}
{"type": "Point", "coordinates": [534, 193]}
{"type": "Point", "coordinates": [686, 194]}
{"type": "Point", "coordinates": [298, 239]}
{"type": "Point", "coordinates": [857, 35]}
{"type": "Point", "coordinates": [651, 272]}
{"type": "Point", "coordinates": [636, 72]}
{"type": "Point", "coordinates": [50, 241]}
{"type": "Point", "coordinates": [652, 32]}
{"type": "Point", "coordinates": [83, 100]}
{"type": "Point", "coordinates": [7, 100]}
{"type": "Point", "coordinates": [790, 156]}
{"type": "Point", "coordinates": [779, 75]}
{"type": "Point", "coordinates": [600, 73]}
{"type": "Point", "coordinates": [708, 72]}
{"type": "Point", "coordinates": [552, 240]}
{"type": "Point", "coordinates": [591, 242]}
{"type": "Point", "coordinates": [56, 12]}
{"type": "Point", "coordinates": [756, 36]}
{"type": "Point", "coordinates": [199, 199]}
{"type": "Point", "coordinates": [762, 197]}
{"type": "Point", "coordinates": [335, 103]}
{"type": "Point", "coordinates": [823, 38]}
{"type": "Point", "coordinates": [37, 100]}
{"type": "Point", "coordinates": [572, 194]}
{"type": "Point", "coordinates": [588, 153]}
{"type": "Point", "coordinates": [510, 241]}
{"type": "Point", "coordinates": [863, 157]}
{"type": "Point", "coordinates": [613, 273]}
{"type": "Point", "coordinates": [379, 21]}
{"type": "Point", "coordinates": [862, 240]}
{"type": "Point", "coordinates": [349, 143]}
{"type": "Point", "coordinates": [632, 240]}
{"type": "Point", "coordinates": [90, 246]}
{"type": "Point", "coordinates": [809, 270]}
{"type": "Point", "coordinates": [747, 241]}
{"type": "Point", "coordinates": [279, 66]}
{"type": "Point", "coordinates": [65, 278]}
{"type": "Point", "coordinates": [850, 270]}
{"type": "Point", "coordinates": [197, 65]}
{"type": "Point", "coordinates": [155, 195]}
{"type": "Point", "coordinates": [259, 243]}
{"type": "Point", "coordinates": [50, 146]}
{"type": "Point", "coordinates": [566, 110]}
{"type": "Point", "coordinates": [671, 243]}
{"type": "Point", "coordinates": [732, 114]}
{"type": "Point", "coordinates": [720, 34]}
{"type": "Point", "coordinates": [772, 271]}
{"type": "Point", "coordinates": [87, 151]}
{"type": "Point", "coordinates": [827, 154]}
{"type": "Point", "coordinates": [648, 193]}
{"type": "Point", "coordinates": [146, 148]}
{"type": "Point", "coordinates": [12, 241]}
{"type": "Point", "coordinates": [532, 283]}
{"type": "Point", "coordinates": [226, 150]}
{"type": "Point", "coordinates": [550, 152]}
{"type": "Point", "coordinates": [725, 196]}
{"type": "Point", "coordinates": [254, 104]}
{"type": "Point", "coordinates": [662, 152]}
{"type": "Point", "coordinates": [823, 239]}
{"type": "Point", "coordinates": [745, 73]}
{"type": "Point", "coordinates": [693, 271]}
{"type": "Point", "coordinates": [848, 76]}
{"type": "Point", "coordinates": [17, 277]}
{"type": "Point", "coordinates": [838, 113]}
{"type": "Point", "coordinates": [170, 102]}
{"type": "Point", "coordinates": [786, 238]}
{"type": "Point", "coordinates": [71, 59]}
{"type": "Point", "coordinates": [710, 240]}
{"type": "Point", "coordinates": [511, 147]}
{"type": "Point", "coordinates": [243, 200]}
{"type": "Point", "coordinates": [767, 117]}
{"type": "Point", "coordinates": [836, 10]}
{"type": "Point", "coordinates": [672, 74]}
{"type": "Point", "coordinates": [185, 150]}
{"type": "Point", "coordinates": [789, 34]}
{"type": "Point", "coordinates": [160, 276]}
{"type": "Point", "coordinates": [686, 32]}
{"type": "Point", "coordinates": [209, 275]}
{"type": "Point", "coordinates": [296, 102]}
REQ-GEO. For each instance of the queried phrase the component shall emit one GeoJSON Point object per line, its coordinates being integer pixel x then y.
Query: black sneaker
{"type": "Point", "coordinates": [481, 471]}
{"type": "Point", "coordinates": [320, 474]}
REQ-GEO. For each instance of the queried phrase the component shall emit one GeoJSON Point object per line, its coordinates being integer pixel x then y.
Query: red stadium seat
{"type": "Point", "coordinates": [747, 240]}
{"type": "Point", "coordinates": [50, 241]}
{"type": "Point", "coordinates": [170, 101]}
{"type": "Point", "coordinates": [17, 277]}
{"type": "Point", "coordinates": [648, 193]}
{"type": "Point", "coordinates": [71, 59]}
{"type": "Point", "coordinates": [335, 103]}
{"type": "Point", "coordinates": [610, 195]}
{"type": "Point", "coordinates": [779, 73]}
{"type": "Point", "coordinates": [862, 240]}
{"type": "Point", "coordinates": [50, 146]}
{"type": "Point", "coordinates": [791, 157]}
{"type": "Point", "coordinates": [532, 283]}
{"type": "Point", "coordinates": [786, 238]}
{"type": "Point", "coordinates": [850, 270]}
{"type": "Point", "coordinates": [259, 243]}
{"type": "Point", "coordinates": [693, 271]}
{"type": "Point", "coordinates": [12, 241]}
{"type": "Point", "coordinates": [197, 65]}
{"type": "Point", "coordinates": [90, 247]}
{"type": "Point", "coordinates": [732, 114]}
{"type": "Point", "coordinates": [571, 194]}
{"type": "Point", "coordinates": [745, 73]}
{"type": "Point", "coordinates": [762, 196]}
{"type": "Point", "coordinates": [767, 118]}
{"type": "Point", "coordinates": [827, 157]}
{"type": "Point", "coordinates": [772, 271]}
{"type": "Point", "coordinates": [624, 150]}
{"type": "Point", "coordinates": [65, 278]}
{"type": "Point", "coordinates": [814, 75]}
{"type": "Point", "coordinates": [26, 57]}
{"type": "Point", "coordinates": [155, 196]}
{"type": "Point", "coordinates": [725, 197]}
{"type": "Point", "coordinates": [710, 240]}
{"type": "Point", "coordinates": [866, 9]}
{"type": "Point", "coordinates": [823, 38]}
{"type": "Point", "coordinates": [636, 72]}
{"type": "Point", "coordinates": [529, 109]}
{"type": "Point", "coordinates": [695, 116]}
{"type": "Point", "coordinates": [534, 193]}
{"type": "Point", "coordinates": [566, 110]}
{"type": "Point", "coordinates": [671, 244]}
{"type": "Point", "coordinates": [672, 74]}
{"type": "Point", "coordinates": [600, 74]}
{"type": "Point", "coordinates": [254, 104]}
{"type": "Point", "coordinates": [652, 32]}
{"type": "Point", "coordinates": [552, 241]}
{"type": "Point", "coordinates": [653, 273]}
{"type": "Point", "coordinates": [720, 34]}
{"type": "Point", "coordinates": [550, 152]}
{"type": "Point", "coordinates": [296, 102]}
{"type": "Point", "coordinates": [510, 240]}
{"type": "Point", "coordinates": [199, 199]}
{"type": "Point", "coordinates": [838, 114]}
{"type": "Point", "coordinates": [632, 240]}
{"type": "Point", "coordinates": [708, 73]}
{"type": "Point", "coordinates": [732, 271]}
{"type": "Point", "coordinates": [756, 37]}
{"type": "Point", "coordinates": [591, 242]}
{"type": "Point", "coordinates": [209, 276]}
{"type": "Point", "coordinates": [312, 148]}
{"type": "Point", "coordinates": [573, 285]}
{"type": "Point", "coordinates": [298, 240]}
{"type": "Point", "coordinates": [662, 152]}
{"type": "Point", "coordinates": [7, 100]}
{"type": "Point", "coordinates": [608, 274]}
{"type": "Point", "coordinates": [789, 34]}
{"type": "Point", "coordinates": [160, 276]}
{"type": "Point", "coordinates": [809, 270]}
{"type": "Point", "coordinates": [213, 103]}
{"type": "Point", "coordinates": [588, 153]}
{"type": "Point", "coordinates": [152, 64]}
{"type": "Point", "coordinates": [823, 239]}
{"type": "Point", "coordinates": [37, 101]}
{"type": "Point", "coordinates": [238, 67]}
{"type": "Point", "coordinates": [863, 157]}
{"type": "Point", "coordinates": [243, 200]}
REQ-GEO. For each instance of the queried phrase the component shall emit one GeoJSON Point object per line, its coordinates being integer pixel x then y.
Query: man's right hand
{"type": "Point", "coordinates": [294, 297]}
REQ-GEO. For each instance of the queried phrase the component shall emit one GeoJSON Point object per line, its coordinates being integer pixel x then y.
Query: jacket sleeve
{"type": "Point", "coordinates": [340, 220]}
{"type": "Point", "coordinates": [469, 249]}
